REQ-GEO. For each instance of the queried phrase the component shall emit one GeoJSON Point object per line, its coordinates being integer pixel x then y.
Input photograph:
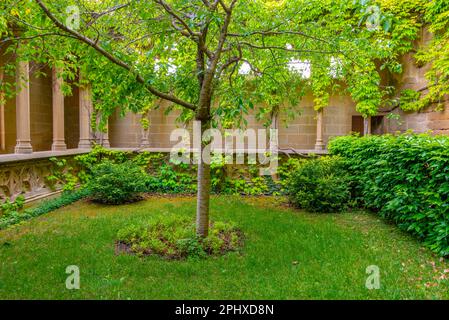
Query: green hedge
{"type": "Point", "coordinates": [404, 178]}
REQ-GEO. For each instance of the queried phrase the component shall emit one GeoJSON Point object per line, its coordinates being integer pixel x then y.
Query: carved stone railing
{"type": "Point", "coordinates": [28, 175]}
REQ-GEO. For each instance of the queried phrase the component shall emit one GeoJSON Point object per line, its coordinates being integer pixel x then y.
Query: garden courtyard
{"type": "Point", "coordinates": [288, 254]}
{"type": "Point", "coordinates": [224, 149]}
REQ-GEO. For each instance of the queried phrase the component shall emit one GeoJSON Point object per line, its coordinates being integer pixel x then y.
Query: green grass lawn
{"type": "Point", "coordinates": [287, 255]}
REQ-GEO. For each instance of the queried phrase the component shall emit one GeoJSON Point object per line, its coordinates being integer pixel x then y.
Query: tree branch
{"type": "Point", "coordinates": [277, 33]}
{"type": "Point", "coordinates": [263, 47]}
{"type": "Point", "coordinates": [231, 61]}
{"type": "Point", "coordinates": [97, 16]}
{"type": "Point", "coordinates": [114, 59]}
{"type": "Point", "coordinates": [170, 11]}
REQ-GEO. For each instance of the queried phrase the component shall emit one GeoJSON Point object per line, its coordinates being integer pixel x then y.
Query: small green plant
{"type": "Point", "coordinates": [320, 185]}
{"type": "Point", "coordinates": [14, 213]}
{"type": "Point", "coordinates": [117, 183]}
{"type": "Point", "coordinates": [9, 208]}
{"type": "Point", "coordinates": [63, 173]}
{"type": "Point", "coordinates": [174, 237]}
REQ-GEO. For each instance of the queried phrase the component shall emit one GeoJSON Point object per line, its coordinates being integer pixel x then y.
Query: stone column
{"type": "Point", "coordinates": [2, 114]}
{"type": "Point", "coordinates": [106, 142]}
{"type": "Point", "coordinates": [319, 144]}
{"type": "Point", "coordinates": [367, 126]}
{"type": "Point", "coordinates": [23, 143]}
{"type": "Point", "coordinates": [58, 111]}
{"type": "Point", "coordinates": [145, 132]}
{"type": "Point", "coordinates": [103, 137]}
{"type": "Point", "coordinates": [85, 111]}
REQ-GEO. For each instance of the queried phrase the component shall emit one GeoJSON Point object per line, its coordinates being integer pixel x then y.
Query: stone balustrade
{"type": "Point", "coordinates": [27, 175]}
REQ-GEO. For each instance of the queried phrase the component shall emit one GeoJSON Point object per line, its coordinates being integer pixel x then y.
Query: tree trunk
{"type": "Point", "coordinates": [202, 209]}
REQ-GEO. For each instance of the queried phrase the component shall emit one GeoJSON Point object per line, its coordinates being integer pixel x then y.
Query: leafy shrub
{"type": "Point", "coordinates": [63, 174]}
{"type": "Point", "coordinates": [17, 215]}
{"type": "Point", "coordinates": [180, 179]}
{"type": "Point", "coordinates": [117, 183]}
{"type": "Point", "coordinates": [175, 238]}
{"type": "Point", "coordinates": [319, 185]}
{"type": "Point", "coordinates": [405, 178]}
{"type": "Point", "coordinates": [9, 207]}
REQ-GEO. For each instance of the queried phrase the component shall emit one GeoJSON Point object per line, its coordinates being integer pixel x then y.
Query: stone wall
{"type": "Point", "coordinates": [413, 77]}
{"type": "Point", "coordinates": [125, 132]}
{"type": "Point", "coordinates": [162, 125]}
{"type": "Point", "coordinates": [298, 133]}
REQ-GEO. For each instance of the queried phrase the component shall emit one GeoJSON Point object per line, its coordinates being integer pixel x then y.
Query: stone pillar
{"type": "Point", "coordinates": [106, 142]}
{"type": "Point", "coordinates": [23, 144]}
{"type": "Point", "coordinates": [367, 126]}
{"type": "Point", "coordinates": [103, 137]}
{"type": "Point", "coordinates": [58, 111]}
{"type": "Point", "coordinates": [2, 114]}
{"type": "Point", "coordinates": [145, 132]}
{"type": "Point", "coordinates": [319, 144]}
{"type": "Point", "coordinates": [85, 112]}
{"type": "Point", "coordinates": [145, 142]}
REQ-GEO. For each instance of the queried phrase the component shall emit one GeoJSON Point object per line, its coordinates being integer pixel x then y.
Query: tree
{"type": "Point", "coordinates": [192, 54]}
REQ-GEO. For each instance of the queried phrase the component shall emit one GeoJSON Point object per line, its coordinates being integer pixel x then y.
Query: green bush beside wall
{"type": "Point", "coordinates": [404, 178]}
{"type": "Point", "coordinates": [319, 185]}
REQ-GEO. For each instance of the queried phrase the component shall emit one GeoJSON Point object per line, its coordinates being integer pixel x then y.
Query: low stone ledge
{"type": "Point", "coordinates": [14, 157]}
{"type": "Point", "coordinates": [246, 151]}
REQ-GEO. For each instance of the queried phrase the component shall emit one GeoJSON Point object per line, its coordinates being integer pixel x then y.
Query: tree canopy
{"type": "Point", "coordinates": [274, 51]}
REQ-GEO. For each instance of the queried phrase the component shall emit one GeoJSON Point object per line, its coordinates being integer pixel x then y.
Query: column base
{"type": "Point", "coordinates": [320, 146]}
{"type": "Point", "coordinates": [58, 146]}
{"type": "Point", "coordinates": [144, 143]}
{"type": "Point", "coordinates": [85, 144]}
{"type": "Point", "coordinates": [23, 148]}
{"type": "Point", "coordinates": [106, 143]}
